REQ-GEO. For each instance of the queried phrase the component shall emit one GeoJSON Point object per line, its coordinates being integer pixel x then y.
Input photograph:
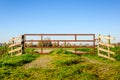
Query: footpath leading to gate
{"type": "Point", "coordinates": [41, 62]}
{"type": "Point", "coordinates": [44, 61]}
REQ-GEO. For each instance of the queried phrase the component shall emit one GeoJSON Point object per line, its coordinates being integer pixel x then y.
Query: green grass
{"type": "Point", "coordinates": [11, 66]}
{"type": "Point", "coordinates": [117, 51]}
{"type": "Point", "coordinates": [30, 50]}
{"type": "Point", "coordinates": [63, 66]}
{"type": "Point", "coordinates": [85, 49]}
{"type": "Point", "coordinates": [3, 50]}
{"type": "Point", "coordinates": [17, 60]}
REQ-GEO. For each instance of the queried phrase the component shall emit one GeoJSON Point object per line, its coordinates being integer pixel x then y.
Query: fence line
{"type": "Point", "coordinates": [16, 45]}
{"type": "Point", "coordinates": [108, 45]}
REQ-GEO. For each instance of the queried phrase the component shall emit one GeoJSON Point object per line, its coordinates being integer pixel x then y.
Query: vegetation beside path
{"type": "Point", "coordinates": [59, 65]}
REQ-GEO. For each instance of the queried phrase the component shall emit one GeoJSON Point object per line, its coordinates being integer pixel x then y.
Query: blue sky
{"type": "Point", "coordinates": [19, 17]}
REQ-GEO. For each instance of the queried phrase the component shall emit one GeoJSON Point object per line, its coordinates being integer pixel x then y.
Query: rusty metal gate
{"type": "Point", "coordinates": [73, 41]}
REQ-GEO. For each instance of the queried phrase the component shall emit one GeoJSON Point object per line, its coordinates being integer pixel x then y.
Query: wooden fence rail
{"type": "Point", "coordinates": [16, 45]}
{"type": "Point", "coordinates": [105, 47]}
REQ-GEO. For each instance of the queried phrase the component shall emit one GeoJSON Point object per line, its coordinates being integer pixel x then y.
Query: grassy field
{"type": "Point", "coordinates": [59, 65]}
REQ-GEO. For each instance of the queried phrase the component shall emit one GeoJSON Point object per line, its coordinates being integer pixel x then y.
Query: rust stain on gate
{"type": "Point", "coordinates": [58, 41]}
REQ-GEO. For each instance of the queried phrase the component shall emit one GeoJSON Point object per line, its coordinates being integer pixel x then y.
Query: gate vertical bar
{"type": "Point", "coordinates": [75, 45]}
{"type": "Point", "coordinates": [75, 37]}
{"type": "Point", "coordinates": [58, 43]}
{"type": "Point", "coordinates": [42, 43]}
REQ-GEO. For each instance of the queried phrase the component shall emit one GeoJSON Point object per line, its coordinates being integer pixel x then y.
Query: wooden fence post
{"type": "Point", "coordinates": [42, 44]}
{"type": "Point", "coordinates": [98, 44]}
{"type": "Point", "coordinates": [12, 48]}
{"type": "Point", "coordinates": [108, 46]}
{"type": "Point", "coordinates": [94, 44]}
{"type": "Point", "coordinates": [22, 44]}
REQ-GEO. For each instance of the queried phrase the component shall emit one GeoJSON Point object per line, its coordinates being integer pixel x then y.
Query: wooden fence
{"type": "Point", "coordinates": [16, 46]}
{"type": "Point", "coordinates": [104, 48]}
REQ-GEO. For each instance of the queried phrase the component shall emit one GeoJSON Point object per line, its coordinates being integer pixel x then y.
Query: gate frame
{"type": "Point", "coordinates": [74, 35]}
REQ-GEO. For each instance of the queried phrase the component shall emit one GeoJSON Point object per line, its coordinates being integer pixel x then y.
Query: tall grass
{"type": "Point", "coordinates": [65, 66]}
{"type": "Point", "coordinates": [117, 52]}
{"type": "Point", "coordinates": [18, 60]}
{"type": "Point", "coordinates": [3, 50]}
{"type": "Point", "coordinates": [10, 66]}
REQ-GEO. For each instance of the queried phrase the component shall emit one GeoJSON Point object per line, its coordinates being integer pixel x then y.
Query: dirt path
{"type": "Point", "coordinates": [91, 60]}
{"type": "Point", "coordinates": [41, 62]}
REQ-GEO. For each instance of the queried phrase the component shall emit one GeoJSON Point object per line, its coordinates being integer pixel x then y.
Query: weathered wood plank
{"type": "Point", "coordinates": [106, 57]}
{"type": "Point", "coordinates": [18, 54]}
{"type": "Point", "coordinates": [106, 37]}
{"type": "Point", "coordinates": [12, 45]}
{"type": "Point", "coordinates": [105, 44]}
{"type": "Point", "coordinates": [104, 50]}
{"type": "Point", "coordinates": [16, 38]}
{"type": "Point", "coordinates": [15, 50]}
